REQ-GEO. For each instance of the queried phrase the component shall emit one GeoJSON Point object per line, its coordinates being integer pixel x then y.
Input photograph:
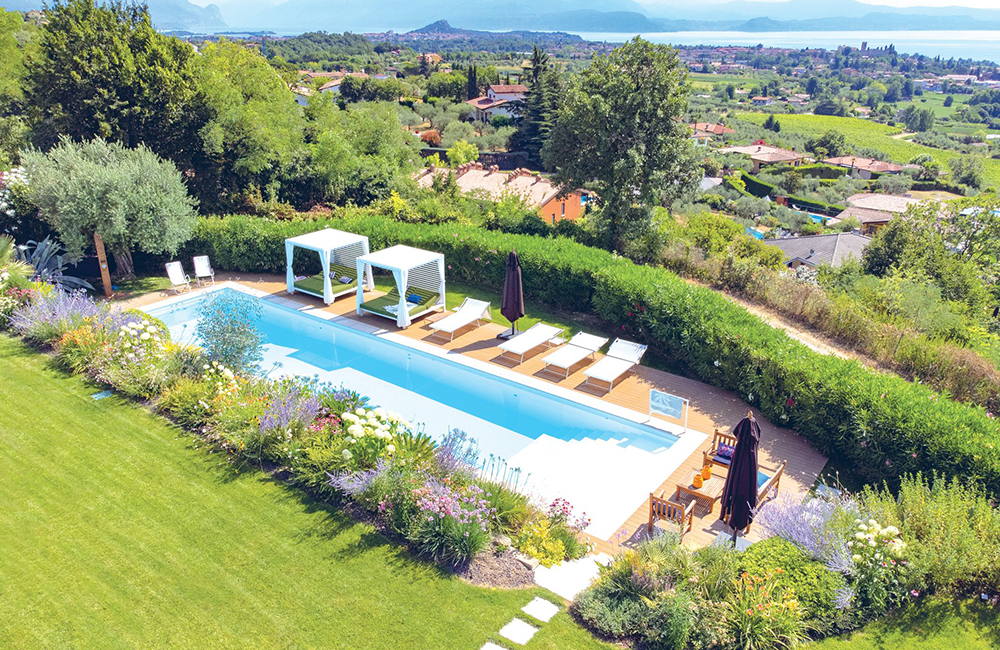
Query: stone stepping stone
{"type": "Point", "coordinates": [518, 631]}
{"type": "Point", "coordinates": [541, 609]}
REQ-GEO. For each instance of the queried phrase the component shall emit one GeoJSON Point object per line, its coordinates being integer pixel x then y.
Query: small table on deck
{"type": "Point", "coordinates": [710, 489]}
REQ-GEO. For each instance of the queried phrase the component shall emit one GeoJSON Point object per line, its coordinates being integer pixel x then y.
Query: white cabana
{"type": "Point", "coordinates": [419, 289]}
{"type": "Point", "coordinates": [339, 274]}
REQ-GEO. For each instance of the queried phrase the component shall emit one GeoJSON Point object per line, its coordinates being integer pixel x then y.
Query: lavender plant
{"type": "Point", "coordinates": [48, 316]}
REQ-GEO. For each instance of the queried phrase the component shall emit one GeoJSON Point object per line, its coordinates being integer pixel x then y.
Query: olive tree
{"type": "Point", "coordinates": [131, 198]}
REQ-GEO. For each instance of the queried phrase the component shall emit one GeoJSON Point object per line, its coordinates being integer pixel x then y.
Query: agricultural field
{"type": "Point", "coordinates": [871, 135]}
{"type": "Point", "coordinates": [701, 81]}
{"type": "Point", "coordinates": [935, 102]}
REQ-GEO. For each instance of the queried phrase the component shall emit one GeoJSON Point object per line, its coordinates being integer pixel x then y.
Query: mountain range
{"type": "Point", "coordinates": [623, 16]}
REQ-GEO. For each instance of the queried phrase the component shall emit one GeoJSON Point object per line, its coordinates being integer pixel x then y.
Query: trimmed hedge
{"type": "Point", "coordinates": [879, 425]}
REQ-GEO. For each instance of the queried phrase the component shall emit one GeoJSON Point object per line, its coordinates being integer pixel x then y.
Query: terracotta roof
{"type": "Point", "coordinates": [886, 202]}
{"type": "Point", "coordinates": [508, 89]}
{"type": "Point", "coordinates": [714, 129]}
{"type": "Point", "coordinates": [485, 103]}
{"type": "Point", "coordinates": [473, 177]}
{"type": "Point", "coordinates": [868, 164]}
{"type": "Point", "coordinates": [833, 249]}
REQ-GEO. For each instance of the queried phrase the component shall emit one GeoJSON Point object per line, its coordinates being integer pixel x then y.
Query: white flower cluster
{"type": "Point", "coordinates": [15, 176]}
{"type": "Point", "coordinates": [881, 544]}
{"type": "Point", "coordinates": [138, 333]}
{"type": "Point", "coordinates": [223, 377]}
{"type": "Point", "coordinates": [377, 423]}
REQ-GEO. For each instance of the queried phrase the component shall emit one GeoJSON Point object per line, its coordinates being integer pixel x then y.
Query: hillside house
{"type": "Point", "coordinates": [537, 191]}
{"type": "Point", "coordinates": [762, 101]}
{"type": "Point", "coordinates": [861, 167]}
{"type": "Point", "coordinates": [816, 250]}
{"type": "Point", "coordinates": [500, 99]}
{"type": "Point", "coordinates": [874, 211]}
{"type": "Point", "coordinates": [762, 155]}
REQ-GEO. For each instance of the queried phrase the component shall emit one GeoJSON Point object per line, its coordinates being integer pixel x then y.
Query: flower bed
{"type": "Point", "coordinates": [881, 425]}
{"type": "Point", "coordinates": [326, 439]}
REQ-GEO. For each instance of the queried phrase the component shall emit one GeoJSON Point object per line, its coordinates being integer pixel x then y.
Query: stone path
{"type": "Point", "coordinates": [519, 631]}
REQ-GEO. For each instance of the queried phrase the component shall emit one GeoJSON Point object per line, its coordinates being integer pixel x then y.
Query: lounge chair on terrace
{"type": "Point", "coordinates": [470, 311]}
{"type": "Point", "coordinates": [536, 335]}
{"type": "Point", "coordinates": [342, 278]}
{"type": "Point", "coordinates": [768, 482]}
{"type": "Point", "coordinates": [179, 280]}
{"type": "Point", "coordinates": [621, 358]}
{"type": "Point", "coordinates": [580, 347]}
{"type": "Point", "coordinates": [661, 509]}
{"type": "Point", "coordinates": [417, 300]}
{"type": "Point", "coordinates": [203, 269]}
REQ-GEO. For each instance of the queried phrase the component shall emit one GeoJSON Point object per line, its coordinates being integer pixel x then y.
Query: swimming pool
{"type": "Point", "coordinates": [548, 436]}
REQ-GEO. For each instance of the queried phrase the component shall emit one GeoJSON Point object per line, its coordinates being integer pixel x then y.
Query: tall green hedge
{"type": "Point", "coordinates": [878, 424]}
{"type": "Point", "coordinates": [760, 189]}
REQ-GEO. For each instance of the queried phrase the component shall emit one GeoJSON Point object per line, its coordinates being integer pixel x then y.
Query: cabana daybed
{"type": "Point", "coordinates": [419, 289]}
{"type": "Point", "coordinates": [338, 274]}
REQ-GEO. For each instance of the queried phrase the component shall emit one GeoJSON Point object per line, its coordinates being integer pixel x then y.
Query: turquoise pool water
{"type": "Point", "coordinates": [503, 415]}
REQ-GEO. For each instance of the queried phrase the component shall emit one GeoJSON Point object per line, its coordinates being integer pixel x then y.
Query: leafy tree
{"type": "Point", "coordinates": [253, 126]}
{"type": "Point", "coordinates": [967, 170]}
{"type": "Point", "coordinates": [18, 41]}
{"type": "Point", "coordinates": [359, 155]}
{"type": "Point", "coordinates": [456, 131]}
{"type": "Point", "coordinates": [462, 152]}
{"type": "Point", "coordinates": [132, 198]}
{"type": "Point", "coordinates": [103, 71]}
{"type": "Point", "coordinates": [832, 142]}
{"type": "Point", "coordinates": [621, 130]}
{"type": "Point", "coordinates": [948, 101]}
{"type": "Point", "coordinates": [894, 183]}
{"type": "Point", "coordinates": [918, 119]}
{"type": "Point", "coordinates": [450, 85]}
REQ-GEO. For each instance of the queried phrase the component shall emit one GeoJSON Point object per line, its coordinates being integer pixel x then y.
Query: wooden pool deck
{"type": "Point", "coordinates": [710, 408]}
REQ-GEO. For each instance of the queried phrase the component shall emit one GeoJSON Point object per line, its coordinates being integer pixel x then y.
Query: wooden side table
{"type": "Point", "coordinates": [711, 490]}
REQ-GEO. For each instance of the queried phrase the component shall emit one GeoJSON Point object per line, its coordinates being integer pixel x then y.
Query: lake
{"type": "Point", "coordinates": [970, 44]}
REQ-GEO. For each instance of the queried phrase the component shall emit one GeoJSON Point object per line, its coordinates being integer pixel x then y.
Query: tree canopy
{"type": "Point", "coordinates": [621, 130]}
{"type": "Point", "coordinates": [132, 198]}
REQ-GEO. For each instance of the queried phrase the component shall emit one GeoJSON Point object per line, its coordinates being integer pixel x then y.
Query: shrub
{"type": "Point", "coordinates": [227, 330]}
{"type": "Point", "coordinates": [188, 402]}
{"type": "Point", "coordinates": [609, 615]}
{"type": "Point", "coordinates": [764, 614]}
{"type": "Point", "coordinates": [951, 528]}
{"type": "Point", "coordinates": [814, 584]}
{"type": "Point", "coordinates": [536, 540]}
{"type": "Point", "coordinates": [669, 623]}
{"type": "Point", "coordinates": [509, 510]}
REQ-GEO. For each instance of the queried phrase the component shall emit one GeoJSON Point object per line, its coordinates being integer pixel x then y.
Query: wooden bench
{"type": "Point", "coordinates": [666, 510]}
{"type": "Point", "coordinates": [710, 453]}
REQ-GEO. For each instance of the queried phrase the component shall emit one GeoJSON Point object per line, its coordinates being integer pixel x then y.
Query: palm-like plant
{"type": "Point", "coordinates": [13, 271]}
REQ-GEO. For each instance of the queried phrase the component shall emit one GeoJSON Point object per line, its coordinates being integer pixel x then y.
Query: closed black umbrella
{"type": "Point", "coordinates": [512, 302]}
{"type": "Point", "coordinates": [739, 496]}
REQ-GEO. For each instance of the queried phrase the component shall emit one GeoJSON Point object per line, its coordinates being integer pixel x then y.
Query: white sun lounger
{"type": "Point", "coordinates": [203, 269]}
{"type": "Point", "coordinates": [528, 340]}
{"type": "Point", "coordinates": [178, 279]}
{"type": "Point", "coordinates": [622, 356]}
{"type": "Point", "coordinates": [470, 311]}
{"type": "Point", "coordinates": [580, 347]}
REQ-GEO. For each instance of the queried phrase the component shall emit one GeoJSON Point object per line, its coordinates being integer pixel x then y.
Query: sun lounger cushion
{"type": "Point", "coordinates": [378, 305]}
{"type": "Point", "coordinates": [314, 283]}
{"type": "Point", "coordinates": [762, 478]}
{"type": "Point", "coordinates": [725, 451]}
{"type": "Point", "coordinates": [415, 298]}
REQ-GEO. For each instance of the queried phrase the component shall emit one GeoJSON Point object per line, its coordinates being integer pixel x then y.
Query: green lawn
{"type": "Point", "coordinates": [935, 102]}
{"type": "Point", "coordinates": [864, 133]}
{"type": "Point", "coordinates": [117, 532]}
{"type": "Point", "coordinates": [933, 625]}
